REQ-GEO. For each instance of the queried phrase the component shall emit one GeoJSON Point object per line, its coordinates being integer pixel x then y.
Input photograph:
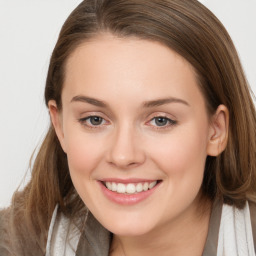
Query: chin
{"type": "Point", "coordinates": [129, 229]}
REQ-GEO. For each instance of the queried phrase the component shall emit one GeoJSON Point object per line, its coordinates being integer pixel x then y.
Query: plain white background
{"type": "Point", "coordinates": [28, 32]}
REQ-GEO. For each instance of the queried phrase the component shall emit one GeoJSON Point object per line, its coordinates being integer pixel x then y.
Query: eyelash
{"type": "Point", "coordinates": [84, 121]}
{"type": "Point", "coordinates": [168, 124]}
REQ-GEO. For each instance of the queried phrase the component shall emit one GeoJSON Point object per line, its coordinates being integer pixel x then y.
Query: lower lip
{"type": "Point", "coordinates": [126, 199]}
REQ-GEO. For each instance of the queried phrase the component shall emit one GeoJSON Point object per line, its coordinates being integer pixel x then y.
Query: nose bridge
{"type": "Point", "coordinates": [125, 150]}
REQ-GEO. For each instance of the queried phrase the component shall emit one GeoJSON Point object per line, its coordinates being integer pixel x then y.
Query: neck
{"type": "Point", "coordinates": [184, 236]}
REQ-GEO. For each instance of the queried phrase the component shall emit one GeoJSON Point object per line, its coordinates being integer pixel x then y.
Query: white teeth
{"type": "Point", "coordinates": [121, 188]}
{"type": "Point", "coordinates": [152, 184]}
{"type": "Point", "coordinates": [109, 185]}
{"type": "Point", "coordinates": [114, 187]}
{"type": "Point", "coordinates": [145, 186]}
{"type": "Point", "coordinates": [139, 187]}
{"type": "Point", "coordinates": [130, 188]}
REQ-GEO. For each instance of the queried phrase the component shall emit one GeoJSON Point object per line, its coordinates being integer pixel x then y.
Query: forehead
{"type": "Point", "coordinates": [120, 51]}
{"type": "Point", "coordinates": [128, 66]}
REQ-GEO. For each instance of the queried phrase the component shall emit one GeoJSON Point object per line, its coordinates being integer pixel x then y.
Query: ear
{"type": "Point", "coordinates": [218, 136]}
{"type": "Point", "coordinates": [56, 118]}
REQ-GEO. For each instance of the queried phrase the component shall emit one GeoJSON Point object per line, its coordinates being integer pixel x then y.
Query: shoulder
{"type": "Point", "coordinates": [16, 237]}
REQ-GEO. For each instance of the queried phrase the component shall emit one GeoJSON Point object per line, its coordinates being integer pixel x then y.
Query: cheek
{"type": "Point", "coordinates": [183, 152]}
{"type": "Point", "coordinates": [84, 155]}
{"type": "Point", "coordinates": [83, 152]}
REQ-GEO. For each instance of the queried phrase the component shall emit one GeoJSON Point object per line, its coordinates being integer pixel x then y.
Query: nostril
{"type": "Point", "coordinates": [132, 164]}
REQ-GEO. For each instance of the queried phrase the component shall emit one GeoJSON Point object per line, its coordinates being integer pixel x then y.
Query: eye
{"type": "Point", "coordinates": [93, 121]}
{"type": "Point", "coordinates": [162, 121]}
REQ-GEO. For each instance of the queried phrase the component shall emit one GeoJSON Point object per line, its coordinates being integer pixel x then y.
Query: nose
{"type": "Point", "coordinates": [125, 149]}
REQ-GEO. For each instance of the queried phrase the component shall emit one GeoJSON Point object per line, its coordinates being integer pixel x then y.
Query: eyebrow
{"type": "Point", "coordinates": [89, 100]}
{"type": "Point", "coordinates": [146, 104]}
{"type": "Point", "coordinates": [160, 102]}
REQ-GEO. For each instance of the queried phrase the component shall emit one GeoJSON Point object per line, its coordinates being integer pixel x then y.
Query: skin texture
{"type": "Point", "coordinates": [129, 143]}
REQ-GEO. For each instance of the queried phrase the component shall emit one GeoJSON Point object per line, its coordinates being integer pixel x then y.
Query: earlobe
{"type": "Point", "coordinates": [218, 136]}
{"type": "Point", "coordinates": [56, 120]}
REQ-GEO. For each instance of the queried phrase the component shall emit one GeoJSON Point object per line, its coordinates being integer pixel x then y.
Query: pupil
{"type": "Point", "coordinates": [161, 121]}
{"type": "Point", "coordinates": [96, 120]}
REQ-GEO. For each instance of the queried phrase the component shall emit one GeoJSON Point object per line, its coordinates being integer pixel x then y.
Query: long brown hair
{"type": "Point", "coordinates": [191, 30]}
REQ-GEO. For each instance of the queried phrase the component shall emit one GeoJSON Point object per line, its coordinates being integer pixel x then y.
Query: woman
{"type": "Point", "coordinates": [151, 149]}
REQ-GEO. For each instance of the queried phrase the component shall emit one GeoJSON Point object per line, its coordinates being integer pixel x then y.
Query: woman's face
{"type": "Point", "coordinates": [135, 121]}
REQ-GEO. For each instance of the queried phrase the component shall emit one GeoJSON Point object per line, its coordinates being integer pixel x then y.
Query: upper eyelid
{"type": "Point", "coordinates": [162, 114]}
{"type": "Point", "coordinates": [168, 118]}
{"type": "Point", "coordinates": [88, 114]}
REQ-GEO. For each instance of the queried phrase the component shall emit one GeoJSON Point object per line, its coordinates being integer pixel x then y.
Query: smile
{"type": "Point", "coordinates": [130, 188]}
{"type": "Point", "coordinates": [128, 192]}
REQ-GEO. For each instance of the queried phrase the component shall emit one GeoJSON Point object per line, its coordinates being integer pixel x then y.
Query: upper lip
{"type": "Point", "coordinates": [127, 181]}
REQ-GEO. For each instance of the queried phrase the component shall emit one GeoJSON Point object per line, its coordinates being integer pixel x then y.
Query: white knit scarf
{"type": "Point", "coordinates": [235, 234]}
{"type": "Point", "coordinates": [63, 236]}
